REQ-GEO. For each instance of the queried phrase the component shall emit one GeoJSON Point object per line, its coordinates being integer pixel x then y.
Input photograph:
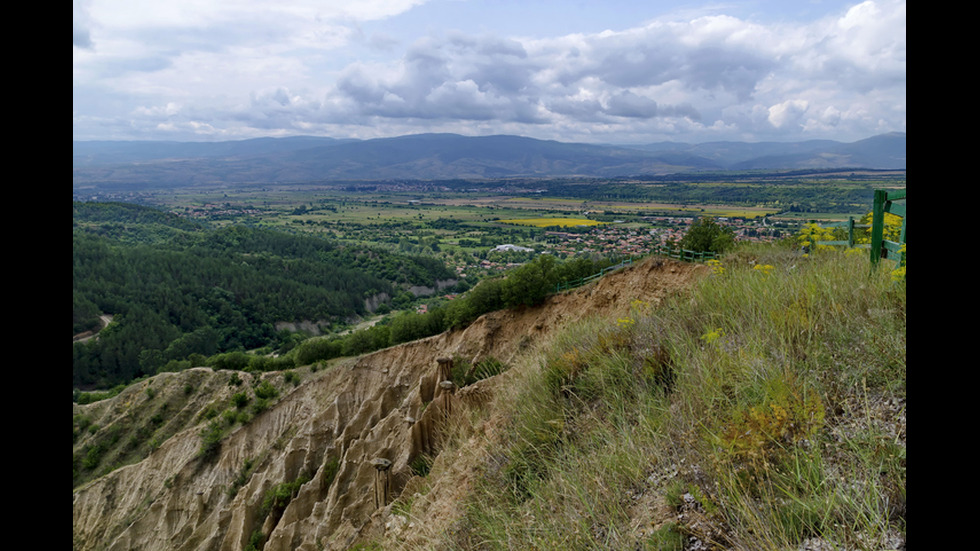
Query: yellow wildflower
{"type": "Point", "coordinates": [716, 267]}
{"type": "Point", "coordinates": [713, 335]}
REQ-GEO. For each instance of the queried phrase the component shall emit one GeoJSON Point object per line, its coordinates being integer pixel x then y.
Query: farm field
{"type": "Point", "coordinates": [464, 224]}
{"type": "Point", "coordinates": [549, 222]}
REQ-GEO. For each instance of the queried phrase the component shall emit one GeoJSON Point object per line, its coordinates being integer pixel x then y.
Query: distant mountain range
{"type": "Point", "coordinates": [451, 156]}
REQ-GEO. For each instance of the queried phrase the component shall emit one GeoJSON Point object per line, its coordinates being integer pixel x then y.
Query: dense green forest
{"type": "Point", "coordinates": [524, 286]}
{"type": "Point", "coordinates": [177, 289]}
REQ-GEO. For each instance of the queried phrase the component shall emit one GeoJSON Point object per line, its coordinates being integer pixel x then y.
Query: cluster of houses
{"type": "Point", "coordinates": [606, 240]}
{"type": "Point", "coordinates": [616, 239]}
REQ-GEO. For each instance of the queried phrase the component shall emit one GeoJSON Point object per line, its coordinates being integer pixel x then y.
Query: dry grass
{"type": "Point", "coordinates": [764, 410]}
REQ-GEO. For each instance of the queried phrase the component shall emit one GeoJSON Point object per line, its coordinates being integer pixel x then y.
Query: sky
{"type": "Point", "coordinates": [611, 71]}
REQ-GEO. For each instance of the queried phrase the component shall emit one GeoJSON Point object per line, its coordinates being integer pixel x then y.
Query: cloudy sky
{"type": "Point", "coordinates": [610, 71]}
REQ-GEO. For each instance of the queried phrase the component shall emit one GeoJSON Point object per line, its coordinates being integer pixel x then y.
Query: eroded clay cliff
{"type": "Point", "coordinates": [346, 439]}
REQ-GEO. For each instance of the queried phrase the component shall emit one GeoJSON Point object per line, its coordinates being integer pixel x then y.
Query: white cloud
{"type": "Point", "coordinates": [787, 112]}
{"type": "Point", "coordinates": [274, 68]}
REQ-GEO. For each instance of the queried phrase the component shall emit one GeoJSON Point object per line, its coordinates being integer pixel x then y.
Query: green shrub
{"type": "Point", "coordinates": [256, 542]}
{"type": "Point", "coordinates": [706, 235]}
{"type": "Point", "coordinates": [265, 391]}
{"type": "Point", "coordinates": [330, 469]}
{"type": "Point", "coordinates": [488, 367]}
{"type": "Point", "coordinates": [211, 436]}
{"type": "Point", "coordinates": [240, 399]}
{"type": "Point", "coordinates": [97, 396]}
{"type": "Point", "coordinates": [243, 475]}
{"type": "Point", "coordinates": [421, 465]}
{"type": "Point", "coordinates": [230, 360]}
{"type": "Point", "coordinates": [279, 496]}
{"type": "Point", "coordinates": [260, 405]}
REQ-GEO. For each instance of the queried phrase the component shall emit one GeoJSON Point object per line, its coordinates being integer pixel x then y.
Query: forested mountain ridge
{"type": "Point", "coordinates": [449, 156]}
{"type": "Point", "coordinates": [178, 289]}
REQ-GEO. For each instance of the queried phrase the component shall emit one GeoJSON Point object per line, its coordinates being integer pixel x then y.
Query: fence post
{"type": "Point", "coordinates": [877, 225]}
{"type": "Point", "coordinates": [850, 232]}
{"type": "Point", "coordinates": [902, 236]}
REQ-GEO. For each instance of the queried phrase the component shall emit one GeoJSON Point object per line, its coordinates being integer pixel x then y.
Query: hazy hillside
{"type": "Point", "coordinates": [447, 156]}
{"type": "Point", "coordinates": [757, 405]}
{"type": "Point", "coordinates": [94, 153]}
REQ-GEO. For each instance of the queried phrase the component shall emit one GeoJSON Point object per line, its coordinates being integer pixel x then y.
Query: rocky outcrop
{"type": "Point", "coordinates": [423, 291]}
{"type": "Point", "coordinates": [307, 326]}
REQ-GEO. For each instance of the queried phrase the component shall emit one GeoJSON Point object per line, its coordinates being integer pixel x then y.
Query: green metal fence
{"type": "Point", "coordinates": [849, 226]}
{"type": "Point", "coordinates": [885, 201]}
{"type": "Point", "coordinates": [662, 250]}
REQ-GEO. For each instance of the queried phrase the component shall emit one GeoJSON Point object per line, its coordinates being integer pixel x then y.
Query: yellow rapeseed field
{"type": "Point", "coordinates": [545, 222]}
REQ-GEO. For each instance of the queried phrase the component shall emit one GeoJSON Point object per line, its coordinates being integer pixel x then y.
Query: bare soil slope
{"type": "Point", "coordinates": [331, 434]}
